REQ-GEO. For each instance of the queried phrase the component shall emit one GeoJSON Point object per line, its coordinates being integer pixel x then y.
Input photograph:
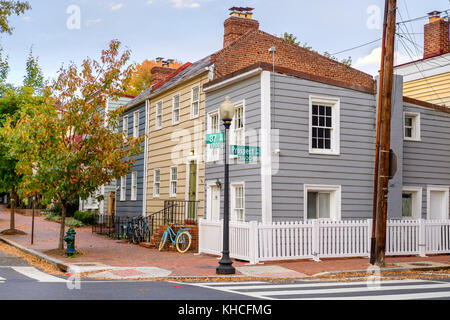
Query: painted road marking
{"type": "Point", "coordinates": [33, 273]}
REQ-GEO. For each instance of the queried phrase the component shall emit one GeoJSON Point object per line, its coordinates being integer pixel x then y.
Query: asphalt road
{"type": "Point", "coordinates": [20, 281]}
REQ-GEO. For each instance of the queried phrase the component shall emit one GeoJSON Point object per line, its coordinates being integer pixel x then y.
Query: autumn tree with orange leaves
{"type": "Point", "coordinates": [64, 149]}
{"type": "Point", "coordinates": [142, 77]}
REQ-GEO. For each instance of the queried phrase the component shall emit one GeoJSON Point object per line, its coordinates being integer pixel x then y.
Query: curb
{"type": "Point", "coordinates": [395, 269]}
{"type": "Point", "coordinates": [55, 262]}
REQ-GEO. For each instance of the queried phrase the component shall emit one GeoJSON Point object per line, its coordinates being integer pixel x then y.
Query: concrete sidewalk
{"type": "Point", "coordinates": [122, 260]}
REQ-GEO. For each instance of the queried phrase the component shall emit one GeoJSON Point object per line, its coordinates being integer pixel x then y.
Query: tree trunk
{"type": "Point", "coordinates": [12, 224]}
{"type": "Point", "coordinates": [63, 225]}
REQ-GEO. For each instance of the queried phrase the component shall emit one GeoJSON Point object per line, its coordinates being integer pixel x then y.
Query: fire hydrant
{"type": "Point", "coordinates": [69, 238]}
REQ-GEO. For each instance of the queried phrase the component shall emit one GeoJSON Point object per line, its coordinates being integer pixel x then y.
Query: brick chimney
{"type": "Point", "coordinates": [436, 36]}
{"type": "Point", "coordinates": [160, 73]}
{"type": "Point", "coordinates": [239, 23]}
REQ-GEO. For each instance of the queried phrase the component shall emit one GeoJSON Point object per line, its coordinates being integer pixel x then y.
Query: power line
{"type": "Point", "coordinates": [357, 47]}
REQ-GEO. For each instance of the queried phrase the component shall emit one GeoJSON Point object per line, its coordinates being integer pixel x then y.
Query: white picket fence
{"type": "Point", "coordinates": [315, 239]}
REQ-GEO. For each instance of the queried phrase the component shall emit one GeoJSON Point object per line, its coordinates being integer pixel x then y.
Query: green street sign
{"type": "Point", "coordinates": [215, 137]}
{"type": "Point", "coordinates": [245, 150]}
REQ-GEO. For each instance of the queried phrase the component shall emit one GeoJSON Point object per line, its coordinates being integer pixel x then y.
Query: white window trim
{"type": "Point", "coordinates": [192, 101]}
{"type": "Point", "coordinates": [136, 124]}
{"type": "Point", "coordinates": [155, 195]}
{"type": "Point", "coordinates": [335, 199]}
{"type": "Point", "coordinates": [125, 124]}
{"type": "Point", "coordinates": [416, 201]}
{"type": "Point", "coordinates": [209, 152]}
{"type": "Point", "coordinates": [416, 126]}
{"type": "Point", "coordinates": [133, 183]}
{"type": "Point", "coordinates": [173, 195]}
{"type": "Point", "coordinates": [445, 189]}
{"type": "Point", "coordinates": [232, 136]}
{"type": "Point", "coordinates": [233, 199]}
{"type": "Point", "coordinates": [123, 188]}
{"type": "Point", "coordinates": [156, 115]}
{"type": "Point", "coordinates": [335, 103]}
{"type": "Point", "coordinates": [179, 108]}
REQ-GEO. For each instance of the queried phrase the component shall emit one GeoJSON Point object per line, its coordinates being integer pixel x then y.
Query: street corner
{"type": "Point", "coordinates": [129, 273]}
{"type": "Point", "coordinates": [270, 272]}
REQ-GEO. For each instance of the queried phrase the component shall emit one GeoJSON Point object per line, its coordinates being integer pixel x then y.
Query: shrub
{"type": "Point", "coordinates": [73, 223]}
{"type": "Point", "coordinates": [85, 217]}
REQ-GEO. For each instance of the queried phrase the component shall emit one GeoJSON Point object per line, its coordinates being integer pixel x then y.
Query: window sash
{"type": "Point", "coordinates": [239, 203]}
{"type": "Point", "coordinates": [319, 205]}
{"type": "Point", "coordinates": [125, 126]}
{"type": "Point", "coordinates": [159, 115]}
{"type": "Point", "coordinates": [123, 188]}
{"type": "Point", "coordinates": [195, 104]}
{"type": "Point", "coordinates": [407, 205]}
{"type": "Point", "coordinates": [156, 182]}
{"type": "Point", "coordinates": [322, 127]}
{"type": "Point", "coordinates": [136, 124]}
{"type": "Point", "coordinates": [134, 186]}
{"type": "Point", "coordinates": [176, 109]}
{"type": "Point", "coordinates": [173, 181]}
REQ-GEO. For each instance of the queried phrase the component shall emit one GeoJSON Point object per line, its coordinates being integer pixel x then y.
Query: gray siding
{"type": "Point", "coordinates": [352, 169]}
{"type": "Point", "coordinates": [128, 207]}
{"type": "Point", "coordinates": [249, 90]}
{"type": "Point", "coordinates": [427, 162]}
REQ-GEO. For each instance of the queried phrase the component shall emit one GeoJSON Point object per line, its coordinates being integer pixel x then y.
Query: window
{"type": "Point", "coordinates": [159, 112]}
{"type": "Point", "coordinates": [136, 124]}
{"type": "Point", "coordinates": [324, 126]}
{"type": "Point", "coordinates": [322, 202]}
{"type": "Point", "coordinates": [176, 109]}
{"type": "Point", "coordinates": [411, 202]}
{"type": "Point", "coordinates": [133, 186]}
{"type": "Point", "coordinates": [237, 126]}
{"type": "Point", "coordinates": [195, 102]}
{"type": "Point", "coordinates": [173, 181]}
{"type": "Point", "coordinates": [125, 126]}
{"type": "Point", "coordinates": [238, 203]}
{"type": "Point", "coordinates": [213, 127]}
{"type": "Point", "coordinates": [123, 188]}
{"type": "Point", "coordinates": [156, 182]}
{"type": "Point", "coordinates": [411, 126]}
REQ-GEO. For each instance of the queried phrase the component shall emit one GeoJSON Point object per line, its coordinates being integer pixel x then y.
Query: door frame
{"type": "Point", "coordinates": [209, 185]}
{"type": "Point", "coordinates": [444, 189]}
{"type": "Point", "coordinates": [189, 159]}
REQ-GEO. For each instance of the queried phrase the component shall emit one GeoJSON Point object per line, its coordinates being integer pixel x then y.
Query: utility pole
{"type": "Point", "coordinates": [385, 135]}
{"type": "Point", "coordinates": [377, 148]}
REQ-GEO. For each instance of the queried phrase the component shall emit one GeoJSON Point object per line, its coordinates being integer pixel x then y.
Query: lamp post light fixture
{"type": "Point", "coordinates": [225, 264]}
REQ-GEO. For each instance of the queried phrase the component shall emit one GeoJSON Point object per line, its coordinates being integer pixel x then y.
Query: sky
{"type": "Point", "coordinates": [61, 31]}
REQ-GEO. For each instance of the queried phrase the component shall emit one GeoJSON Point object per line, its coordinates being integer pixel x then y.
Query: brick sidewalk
{"type": "Point", "coordinates": [117, 253]}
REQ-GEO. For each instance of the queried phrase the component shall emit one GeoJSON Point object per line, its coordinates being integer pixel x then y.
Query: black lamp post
{"type": "Point", "coordinates": [225, 264]}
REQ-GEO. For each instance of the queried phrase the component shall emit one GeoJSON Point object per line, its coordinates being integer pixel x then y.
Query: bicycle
{"type": "Point", "coordinates": [182, 239]}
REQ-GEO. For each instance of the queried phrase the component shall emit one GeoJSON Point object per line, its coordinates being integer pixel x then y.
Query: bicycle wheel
{"type": "Point", "coordinates": [183, 242]}
{"type": "Point", "coordinates": [163, 241]}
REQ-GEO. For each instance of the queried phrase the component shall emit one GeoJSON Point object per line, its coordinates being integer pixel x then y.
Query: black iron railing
{"type": "Point", "coordinates": [141, 229]}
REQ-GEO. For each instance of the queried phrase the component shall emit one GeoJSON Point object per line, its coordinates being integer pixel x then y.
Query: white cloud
{"type": "Point", "coordinates": [185, 4]}
{"type": "Point", "coordinates": [149, 2]}
{"type": "Point", "coordinates": [117, 6]}
{"type": "Point", "coordinates": [374, 59]}
{"type": "Point", "coordinates": [94, 21]}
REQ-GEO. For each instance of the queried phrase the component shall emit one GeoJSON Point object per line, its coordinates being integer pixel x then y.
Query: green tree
{"type": "Point", "coordinates": [8, 8]}
{"type": "Point", "coordinates": [11, 103]}
{"type": "Point", "coordinates": [34, 77]}
{"type": "Point", "coordinates": [63, 148]}
{"type": "Point", "coordinates": [347, 61]}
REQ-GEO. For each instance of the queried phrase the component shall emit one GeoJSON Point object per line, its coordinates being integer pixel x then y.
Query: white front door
{"type": "Point", "coordinates": [437, 205]}
{"type": "Point", "coordinates": [214, 203]}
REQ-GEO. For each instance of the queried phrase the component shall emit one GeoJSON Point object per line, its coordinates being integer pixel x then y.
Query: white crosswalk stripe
{"type": "Point", "coordinates": [32, 273]}
{"type": "Point", "coordinates": [388, 290]}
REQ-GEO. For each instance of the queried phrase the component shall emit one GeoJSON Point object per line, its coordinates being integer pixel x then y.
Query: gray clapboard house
{"type": "Point", "coordinates": [130, 189]}
{"type": "Point", "coordinates": [317, 140]}
{"type": "Point", "coordinates": [105, 206]}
